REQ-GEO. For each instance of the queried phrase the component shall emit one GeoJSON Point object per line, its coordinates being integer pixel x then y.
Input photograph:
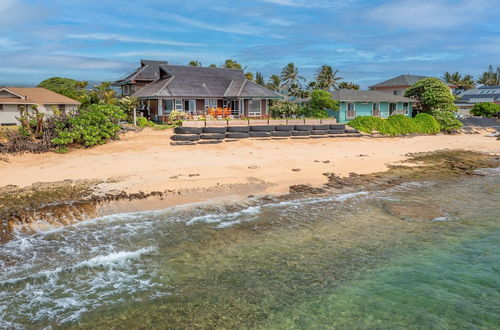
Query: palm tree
{"type": "Point", "coordinates": [347, 85]}
{"type": "Point", "coordinates": [274, 83]}
{"type": "Point", "coordinates": [312, 85]}
{"type": "Point", "coordinates": [194, 63]}
{"type": "Point", "coordinates": [231, 64]}
{"type": "Point", "coordinates": [104, 93]}
{"type": "Point", "coordinates": [490, 77]}
{"type": "Point", "coordinates": [462, 82]}
{"type": "Point", "coordinates": [290, 75]}
{"type": "Point", "coordinates": [259, 78]}
{"type": "Point", "coordinates": [327, 77]}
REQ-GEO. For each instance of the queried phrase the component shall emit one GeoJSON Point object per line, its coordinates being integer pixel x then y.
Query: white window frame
{"type": "Point", "coordinates": [377, 109]}
{"type": "Point", "coordinates": [192, 106]}
{"type": "Point", "coordinates": [210, 103]}
{"type": "Point", "coordinates": [255, 113]}
{"type": "Point", "coordinates": [353, 111]}
{"type": "Point", "coordinates": [165, 110]}
{"type": "Point", "coordinates": [178, 105]}
{"type": "Point", "coordinates": [406, 107]}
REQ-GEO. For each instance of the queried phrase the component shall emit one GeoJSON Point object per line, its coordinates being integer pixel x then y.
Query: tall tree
{"type": "Point", "coordinates": [274, 83]}
{"type": "Point", "coordinates": [312, 85]}
{"type": "Point", "coordinates": [249, 76]}
{"type": "Point", "coordinates": [327, 77]}
{"type": "Point", "coordinates": [490, 77]}
{"type": "Point", "coordinates": [290, 75]}
{"type": "Point", "coordinates": [347, 85]}
{"type": "Point", "coordinates": [231, 64]}
{"type": "Point", "coordinates": [432, 95]}
{"type": "Point", "coordinates": [104, 93]}
{"type": "Point", "coordinates": [259, 79]}
{"type": "Point", "coordinates": [462, 82]}
{"type": "Point", "coordinates": [194, 63]}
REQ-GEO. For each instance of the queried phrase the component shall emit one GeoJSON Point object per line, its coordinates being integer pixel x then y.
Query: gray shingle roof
{"type": "Point", "coordinates": [189, 81]}
{"type": "Point", "coordinates": [481, 94]}
{"type": "Point", "coordinates": [149, 70]}
{"type": "Point", "coordinates": [402, 80]}
{"type": "Point", "coordinates": [367, 96]}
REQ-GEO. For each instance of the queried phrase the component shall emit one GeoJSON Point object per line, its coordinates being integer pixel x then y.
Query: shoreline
{"type": "Point", "coordinates": [45, 206]}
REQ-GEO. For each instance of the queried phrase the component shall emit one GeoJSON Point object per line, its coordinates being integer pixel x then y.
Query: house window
{"type": "Point", "coordinates": [168, 106]}
{"type": "Point", "coordinates": [126, 90]}
{"type": "Point", "coordinates": [351, 111]}
{"type": "Point", "coordinates": [405, 108]}
{"type": "Point", "coordinates": [376, 109]}
{"type": "Point", "coordinates": [61, 107]}
{"type": "Point", "coordinates": [210, 103]}
{"type": "Point", "coordinates": [192, 106]}
{"type": "Point", "coordinates": [254, 108]}
{"type": "Point", "coordinates": [178, 105]}
{"type": "Point", "coordinates": [1, 107]}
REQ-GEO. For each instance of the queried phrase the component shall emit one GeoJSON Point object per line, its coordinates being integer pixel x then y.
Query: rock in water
{"type": "Point", "coordinates": [415, 211]}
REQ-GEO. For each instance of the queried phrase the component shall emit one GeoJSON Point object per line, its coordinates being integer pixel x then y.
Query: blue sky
{"type": "Point", "coordinates": [367, 40]}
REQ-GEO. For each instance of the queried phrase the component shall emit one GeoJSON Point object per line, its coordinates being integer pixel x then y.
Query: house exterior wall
{"type": "Point", "coordinates": [365, 109]}
{"type": "Point", "coordinates": [396, 90]}
{"type": "Point", "coordinates": [10, 112]}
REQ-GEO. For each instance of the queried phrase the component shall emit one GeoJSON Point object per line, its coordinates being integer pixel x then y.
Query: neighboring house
{"type": "Point", "coordinates": [398, 85]}
{"type": "Point", "coordinates": [161, 88]}
{"type": "Point", "coordinates": [466, 99]}
{"type": "Point", "coordinates": [354, 103]}
{"type": "Point", "coordinates": [13, 98]}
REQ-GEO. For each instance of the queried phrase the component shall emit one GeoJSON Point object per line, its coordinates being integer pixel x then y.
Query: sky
{"type": "Point", "coordinates": [366, 40]}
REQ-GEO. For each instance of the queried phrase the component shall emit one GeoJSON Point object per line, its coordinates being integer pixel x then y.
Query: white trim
{"type": "Point", "coordinates": [353, 110]}
{"type": "Point", "coordinates": [8, 90]}
{"type": "Point", "coordinates": [255, 113]}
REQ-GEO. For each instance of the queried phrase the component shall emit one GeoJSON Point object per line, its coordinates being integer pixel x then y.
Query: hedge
{"type": "Point", "coordinates": [397, 124]}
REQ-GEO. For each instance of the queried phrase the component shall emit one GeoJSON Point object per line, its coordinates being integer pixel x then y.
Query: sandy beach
{"type": "Point", "coordinates": [145, 161]}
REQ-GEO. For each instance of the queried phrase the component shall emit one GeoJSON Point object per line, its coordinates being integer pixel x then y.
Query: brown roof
{"type": "Point", "coordinates": [13, 100]}
{"type": "Point", "coordinates": [38, 95]}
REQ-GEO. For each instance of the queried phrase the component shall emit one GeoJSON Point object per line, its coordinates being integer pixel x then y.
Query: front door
{"type": "Point", "coordinates": [392, 108]}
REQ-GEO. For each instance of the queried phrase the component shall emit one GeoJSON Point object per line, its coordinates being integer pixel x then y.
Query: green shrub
{"type": "Point", "coordinates": [283, 109]}
{"type": "Point", "coordinates": [447, 121]}
{"type": "Point", "coordinates": [397, 124]}
{"type": "Point", "coordinates": [144, 122]}
{"type": "Point", "coordinates": [427, 123]}
{"type": "Point", "coordinates": [92, 126]}
{"type": "Point", "coordinates": [309, 112]}
{"type": "Point", "coordinates": [404, 124]}
{"type": "Point", "coordinates": [485, 109]}
{"type": "Point", "coordinates": [366, 123]}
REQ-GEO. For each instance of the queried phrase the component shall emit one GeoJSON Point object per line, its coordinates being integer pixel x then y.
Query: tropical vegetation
{"type": "Point", "coordinates": [485, 109]}
{"type": "Point", "coordinates": [397, 124]}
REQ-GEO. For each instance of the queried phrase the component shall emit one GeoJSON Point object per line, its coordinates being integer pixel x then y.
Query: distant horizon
{"type": "Point", "coordinates": [366, 40]}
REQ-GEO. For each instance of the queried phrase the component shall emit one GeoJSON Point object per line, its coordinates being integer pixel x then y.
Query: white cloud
{"type": "Point", "coordinates": [309, 3]}
{"type": "Point", "coordinates": [6, 4]}
{"type": "Point", "coordinates": [231, 28]}
{"type": "Point", "coordinates": [429, 14]}
{"type": "Point", "coordinates": [122, 38]}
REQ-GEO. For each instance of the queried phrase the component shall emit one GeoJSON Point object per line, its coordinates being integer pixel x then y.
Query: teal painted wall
{"type": "Point", "coordinates": [365, 109]}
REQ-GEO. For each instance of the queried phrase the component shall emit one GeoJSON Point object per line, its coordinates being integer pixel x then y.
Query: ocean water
{"type": "Point", "coordinates": [346, 261]}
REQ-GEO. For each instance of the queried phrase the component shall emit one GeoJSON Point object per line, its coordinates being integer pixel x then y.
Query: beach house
{"type": "Point", "coordinates": [354, 103]}
{"type": "Point", "coordinates": [162, 88]}
{"type": "Point", "coordinates": [398, 85]}
{"type": "Point", "coordinates": [12, 99]}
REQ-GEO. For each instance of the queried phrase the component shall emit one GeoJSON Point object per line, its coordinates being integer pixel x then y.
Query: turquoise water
{"type": "Point", "coordinates": [342, 261]}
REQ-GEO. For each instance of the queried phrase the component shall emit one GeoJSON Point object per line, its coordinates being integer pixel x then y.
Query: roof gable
{"type": "Point", "coordinates": [6, 93]}
{"type": "Point", "coordinates": [39, 95]}
{"type": "Point", "coordinates": [402, 80]}
{"type": "Point", "coordinates": [367, 96]}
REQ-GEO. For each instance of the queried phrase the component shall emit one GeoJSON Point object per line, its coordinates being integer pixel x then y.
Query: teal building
{"type": "Point", "coordinates": [354, 103]}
